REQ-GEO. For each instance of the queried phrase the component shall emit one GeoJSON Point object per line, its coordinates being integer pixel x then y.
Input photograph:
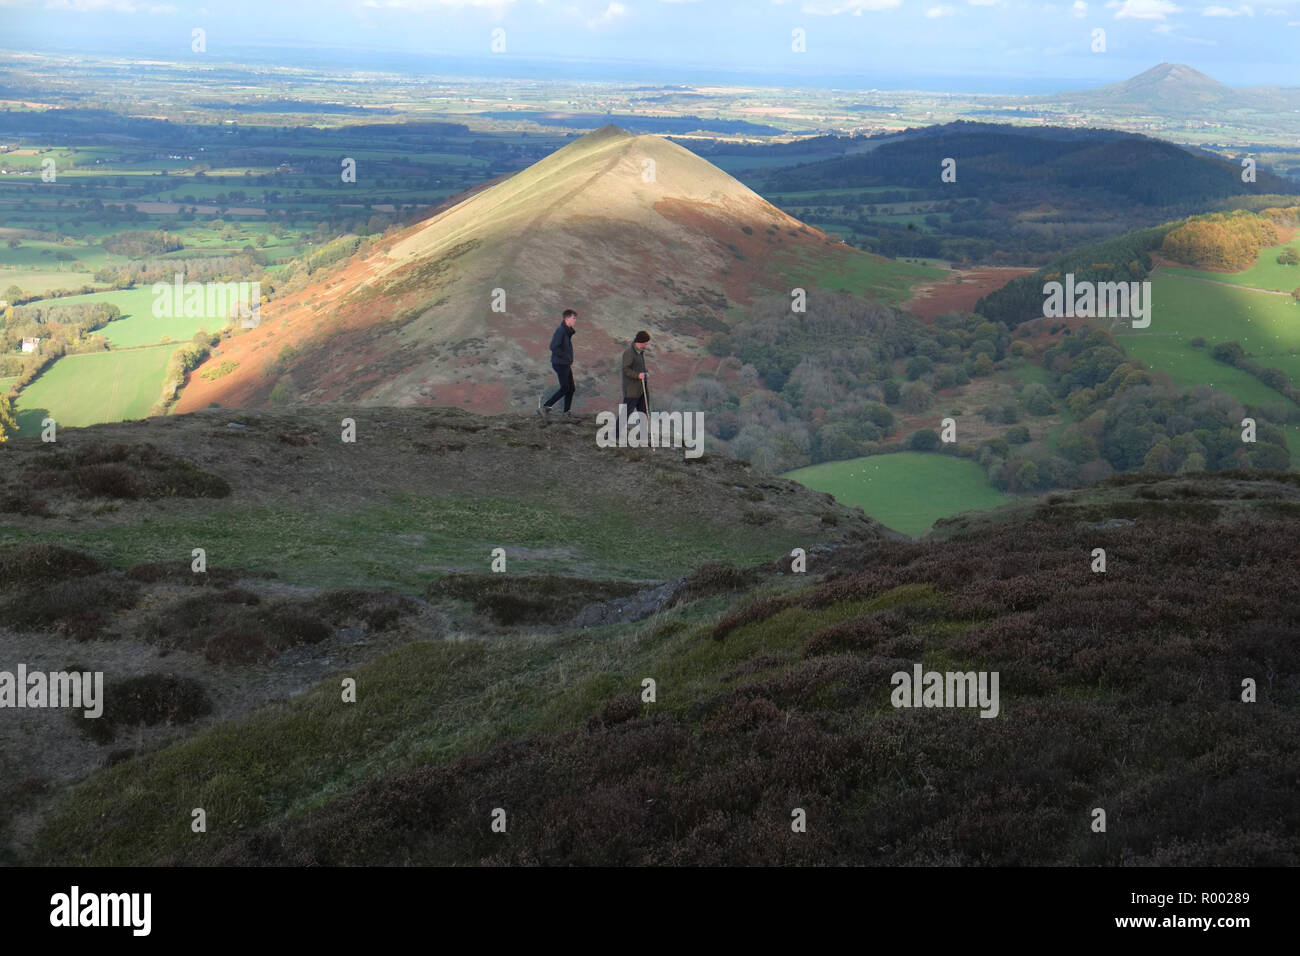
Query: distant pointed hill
{"type": "Point", "coordinates": [1174, 89]}
{"type": "Point", "coordinates": [631, 231]}
{"type": "Point", "coordinates": [1171, 86]}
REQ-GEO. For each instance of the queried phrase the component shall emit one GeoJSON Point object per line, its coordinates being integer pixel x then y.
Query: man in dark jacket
{"type": "Point", "coordinates": [562, 362]}
{"type": "Point", "coordinates": [634, 375]}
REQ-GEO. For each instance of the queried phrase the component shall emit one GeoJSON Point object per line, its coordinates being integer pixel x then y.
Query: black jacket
{"type": "Point", "coordinates": [562, 346]}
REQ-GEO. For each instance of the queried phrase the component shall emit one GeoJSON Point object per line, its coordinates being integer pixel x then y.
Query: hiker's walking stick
{"type": "Point", "coordinates": [649, 434]}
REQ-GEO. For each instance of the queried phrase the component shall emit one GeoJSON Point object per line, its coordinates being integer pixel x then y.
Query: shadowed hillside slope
{"type": "Point", "coordinates": [1029, 166]}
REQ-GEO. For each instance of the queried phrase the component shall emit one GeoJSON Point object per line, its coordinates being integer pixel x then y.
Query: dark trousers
{"type": "Point", "coordinates": [564, 373]}
{"type": "Point", "coordinates": [633, 405]}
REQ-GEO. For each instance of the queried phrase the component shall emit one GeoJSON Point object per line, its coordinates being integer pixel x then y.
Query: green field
{"type": "Point", "coordinates": [40, 255]}
{"type": "Point", "coordinates": [99, 387]}
{"type": "Point", "coordinates": [138, 325]}
{"type": "Point", "coordinates": [860, 273]}
{"type": "Point", "coordinates": [1267, 326]}
{"type": "Point", "coordinates": [908, 491]}
{"type": "Point", "coordinates": [1264, 274]}
{"type": "Point", "coordinates": [40, 282]}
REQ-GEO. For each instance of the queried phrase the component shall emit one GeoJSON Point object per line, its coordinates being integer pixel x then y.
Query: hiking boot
{"type": "Point", "coordinates": [544, 412]}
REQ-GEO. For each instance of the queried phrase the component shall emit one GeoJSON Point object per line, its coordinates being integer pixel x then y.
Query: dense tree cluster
{"type": "Point", "coordinates": [75, 318]}
{"type": "Point", "coordinates": [1125, 258]}
{"type": "Point", "coordinates": [1126, 419]}
{"type": "Point", "coordinates": [828, 384]}
{"type": "Point", "coordinates": [138, 243]}
{"type": "Point", "coordinates": [1230, 241]}
{"type": "Point", "coordinates": [247, 266]}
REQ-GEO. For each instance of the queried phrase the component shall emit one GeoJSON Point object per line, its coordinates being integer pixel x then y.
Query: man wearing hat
{"type": "Point", "coordinates": [634, 377]}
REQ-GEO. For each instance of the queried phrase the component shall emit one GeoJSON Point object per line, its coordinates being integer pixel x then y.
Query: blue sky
{"type": "Point", "coordinates": [934, 44]}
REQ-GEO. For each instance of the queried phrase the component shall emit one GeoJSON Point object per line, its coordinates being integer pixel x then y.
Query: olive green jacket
{"type": "Point", "coordinates": [633, 364]}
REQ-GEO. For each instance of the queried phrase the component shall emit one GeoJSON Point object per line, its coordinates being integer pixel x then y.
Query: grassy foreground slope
{"type": "Point", "coordinates": [419, 493]}
{"type": "Point", "coordinates": [323, 555]}
{"type": "Point", "coordinates": [1119, 690]}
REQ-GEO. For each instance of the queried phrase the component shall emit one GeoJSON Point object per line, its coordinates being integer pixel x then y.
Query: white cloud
{"type": "Point", "coordinates": [1172, 32]}
{"type": "Point", "coordinates": [935, 13]}
{"type": "Point", "coordinates": [108, 6]}
{"type": "Point", "coordinates": [830, 8]}
{"type": "Point", "coordinates": [1143, 9]}
{"type": "Point", "coordinates": [1079, 10]}
{"type": "Point", "coordinates": [1242, 11]}
{"type": "Point", "coordinates": [612, 13]}
{"type": "Point", "coordinates": [418, 5]}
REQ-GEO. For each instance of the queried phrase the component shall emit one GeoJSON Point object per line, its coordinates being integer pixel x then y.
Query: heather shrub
{"type": "Point", "coordinates": [38, 563]}
{"type": "Point", "coordinates": [714, 577]}
{"type": "Point", "coordinates": [125, 472]}
{"type": "Point", "coordinates": [288, 625]}
{"type": "Point", "coordinates": [146, 700]}
{"type": "Point", "coordinates": [234, 626]}
{"type": "Point", "coordinates": [512, 600]}
{"type": "Point", "coordinates": [375, 610]}
{"type": "Point", "coordinates": [23, 502]}
{"type": "Point", "coordinates": [78, 605]}
{"type": "Point", "coordinates": [858, 634]}
{"type": "Point", "coordinates": [238, 645]}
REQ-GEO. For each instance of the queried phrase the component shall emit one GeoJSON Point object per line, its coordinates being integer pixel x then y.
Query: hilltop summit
{"type": "Point", "coordinates": [1174, 83]}
{"type": "Point", "coordinates": [1165, 88]}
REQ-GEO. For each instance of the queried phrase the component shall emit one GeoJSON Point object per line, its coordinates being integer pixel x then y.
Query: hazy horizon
{"type": "Point", "coordinates": [979, 46]}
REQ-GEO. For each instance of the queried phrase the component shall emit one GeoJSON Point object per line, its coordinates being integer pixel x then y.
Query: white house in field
{"type": "Point", "coordinates": [30, 345]}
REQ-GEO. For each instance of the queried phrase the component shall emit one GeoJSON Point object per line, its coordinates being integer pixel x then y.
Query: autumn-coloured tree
{"type": "Point", "coordinates": [1229, 241]}
{"type": "Point", "coordinates": [8, 423]}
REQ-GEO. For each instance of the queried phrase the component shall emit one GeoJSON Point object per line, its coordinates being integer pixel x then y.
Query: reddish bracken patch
{"type": "Point", "coordinates": [960, 291]}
